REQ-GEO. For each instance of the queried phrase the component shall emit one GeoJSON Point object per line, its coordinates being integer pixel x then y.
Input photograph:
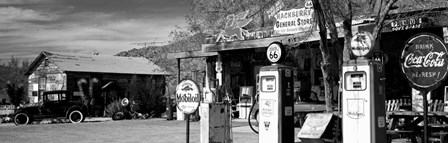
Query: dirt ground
{"type": "Point", "coordinates": [150, 130]}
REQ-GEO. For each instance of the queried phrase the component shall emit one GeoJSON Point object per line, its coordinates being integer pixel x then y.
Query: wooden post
{"type": "Point", "coordinates": [178, 71]}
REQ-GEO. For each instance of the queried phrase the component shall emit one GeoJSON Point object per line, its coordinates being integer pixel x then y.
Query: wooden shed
{"type": "Point", "coordinates": [99, 77]}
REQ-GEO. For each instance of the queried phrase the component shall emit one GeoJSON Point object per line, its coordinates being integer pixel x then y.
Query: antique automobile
{"type": "Point", "coordinates": [55, 104]}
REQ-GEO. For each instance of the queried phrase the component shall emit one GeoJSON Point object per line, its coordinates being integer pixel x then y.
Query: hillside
{"type": "Point", "coordinates": [190, 67]}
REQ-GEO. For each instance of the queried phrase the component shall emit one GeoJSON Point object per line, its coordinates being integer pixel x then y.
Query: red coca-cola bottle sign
{"type": "Point", "coordinates": [423, 60]}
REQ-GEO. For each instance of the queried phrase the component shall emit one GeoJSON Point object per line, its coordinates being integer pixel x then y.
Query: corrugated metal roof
{"type": "Point", "coordinates": [103, 64]}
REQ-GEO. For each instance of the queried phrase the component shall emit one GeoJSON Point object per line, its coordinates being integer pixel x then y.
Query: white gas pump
{"type": "Point", "coordinates": [363, 96]}
{"type": "Point", "coordinates": [276, 123]}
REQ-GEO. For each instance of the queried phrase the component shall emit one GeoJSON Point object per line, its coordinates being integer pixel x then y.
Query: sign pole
{"type": "Point", "coordinates": [425, 116]}
{"type": "Point", "coordinates": [187, 99]}
{"type": "Point", "coordinates": [188, 127]}
{"type": "Point", "coordinates": [424, 54]}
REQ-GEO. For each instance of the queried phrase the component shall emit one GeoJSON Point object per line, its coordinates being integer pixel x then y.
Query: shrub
{"type": "Point", "coordinates": [113, 107]}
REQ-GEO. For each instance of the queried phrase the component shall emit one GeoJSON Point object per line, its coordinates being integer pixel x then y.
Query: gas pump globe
{"type": "Point", "coordinates": [276, 124]}
{"type": "Point", "coordinates": [363, 106]}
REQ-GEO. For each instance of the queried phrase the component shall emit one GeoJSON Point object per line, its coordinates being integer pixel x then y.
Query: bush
{"type": "Point", "coordinates": [113, 107]}
{"type": "Point", "coordinates": [148, 96]}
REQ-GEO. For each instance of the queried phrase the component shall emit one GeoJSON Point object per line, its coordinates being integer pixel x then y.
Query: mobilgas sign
{"type": "Point", "coordinates": [361, 44]}
{"type": "Point", "coordinates": [423, 61]}
{"type": "Point", "coordinates": [187, 96]}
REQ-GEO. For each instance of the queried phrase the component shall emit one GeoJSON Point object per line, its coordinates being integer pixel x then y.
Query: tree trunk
{"type": "Point", "coordinates": [347, 25]}
{"type": "Point", "coordinates": [326, 55]}
{"type": "Point", "coordinates": [380, 20]}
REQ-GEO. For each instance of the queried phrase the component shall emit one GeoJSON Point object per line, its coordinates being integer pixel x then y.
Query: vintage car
{"type": "Point", "coordinates": [55, 104]}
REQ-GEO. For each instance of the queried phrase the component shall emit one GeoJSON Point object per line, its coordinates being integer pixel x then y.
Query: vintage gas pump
{"type": "Point", "coordinates": [276, 124]}
{"type": "Point", "coordinates": [363, 97]}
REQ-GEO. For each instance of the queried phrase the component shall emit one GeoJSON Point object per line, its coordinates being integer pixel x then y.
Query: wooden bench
{"type": "Point", "coordinates": [439, 137]}
{"type": "Point", "coordinates": [396, 105]}
{"type": "Point", "coordinates": [401, 133]}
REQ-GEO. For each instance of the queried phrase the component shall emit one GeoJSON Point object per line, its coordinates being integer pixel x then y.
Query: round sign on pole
{"type": "Point", "coordinates": [423, 61]}
{"type": "Point", "coordinates": [362, 44]}
{"type": "Point", "coordinates": [187, 96]}
{"type": "Point", "coordinates": [275, 52]}
{"type": "Point", "coordinates": [218, 67]}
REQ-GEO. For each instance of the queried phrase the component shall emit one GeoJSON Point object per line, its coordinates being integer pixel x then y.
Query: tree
{"type": "Point", "coordinates": [13, 73]}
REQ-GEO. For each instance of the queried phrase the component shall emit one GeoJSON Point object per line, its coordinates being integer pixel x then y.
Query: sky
{"type": "Point", "coordinates": [108, 27]}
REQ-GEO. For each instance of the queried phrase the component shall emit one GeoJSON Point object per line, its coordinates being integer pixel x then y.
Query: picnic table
{"type": "Point", "coordinates": [409, 123]}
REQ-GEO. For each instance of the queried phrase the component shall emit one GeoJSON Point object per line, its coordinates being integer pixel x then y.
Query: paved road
{"type": "Point", "coordinates": [151, 131]}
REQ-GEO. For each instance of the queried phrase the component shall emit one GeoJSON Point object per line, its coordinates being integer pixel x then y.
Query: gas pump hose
{"type": "Point", "coordinates": [250, 113]}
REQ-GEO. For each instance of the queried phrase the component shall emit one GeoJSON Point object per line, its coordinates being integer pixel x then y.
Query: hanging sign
{"type": "Point", "coordinates": [406, 24]}
{"type": "Point", "coordinates": [275, 8]}
{"type": "Point", "coordinates": [294, 20]}
{"type": "Point", "coordinates": [423, 61]}
{"type": "Point", "coordinates": [361, 44]}
{"type": "Point", "coordinates": [187, 96]}
{"type": "Point", "coordinates": [234, 27]}
{"type": "Point", "coordinates": [275, 52]}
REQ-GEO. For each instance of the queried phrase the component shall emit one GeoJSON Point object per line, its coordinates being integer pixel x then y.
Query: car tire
{"type": "Point", "coordinates": [22, 119]}
{"type": "Point", "coordinates": [76, 116]}
{"type": "Point", "coordinates": [118, 116]}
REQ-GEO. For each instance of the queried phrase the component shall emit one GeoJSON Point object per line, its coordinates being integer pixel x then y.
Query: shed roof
{"type": "Point", "coordinates": [72, 62]}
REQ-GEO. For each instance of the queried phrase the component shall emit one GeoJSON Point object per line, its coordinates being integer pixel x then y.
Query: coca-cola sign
{"type": "Point", "coordinates": [423, 60]}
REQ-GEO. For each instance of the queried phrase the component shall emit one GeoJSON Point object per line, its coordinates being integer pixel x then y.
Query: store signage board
{"type": "Point", "coordinates": [423, 61]}
{"type": "Point", "coordinates": [362, 44]}
{"type": "Point", "coordinates": [445, 34]}
{"type": "Point", "coordinates": [187, 96]}
{"type": "Point", "coordinates": [294, 20]}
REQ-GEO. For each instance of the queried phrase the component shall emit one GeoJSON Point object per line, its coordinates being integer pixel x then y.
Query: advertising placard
{"type": "Point", "coordinates": [7, 109]}
{"type": "Point", "coordinates": [423, 61]}
{"type": "Point", "coordinates": [187, 96]}
{"type": "Point", "coordinates": [362, 44]}
{"type": "Point", "coordinates": [314, 126]}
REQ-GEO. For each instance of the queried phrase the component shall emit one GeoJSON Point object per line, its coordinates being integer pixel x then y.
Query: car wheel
{"type": "Point", "coordinates": [76, 116]}
{"type": "Point", "coordinates": [118, 116]}
{"type": "Point", "coordinates": [22, 119]}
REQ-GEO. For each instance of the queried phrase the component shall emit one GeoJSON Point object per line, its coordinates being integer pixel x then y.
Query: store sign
{"type": "Point", "coordinates": [423, 60]}
{"type": "Point", "coordinates": [275, 52]}
{"type": "Point", "coordinates": [406, 24]}
{"type": "Point", "coordinates": [294, 20]}
{"type": "Point", "coordinates": [7, 109]}
{"type": "Point", "coordinates": [187, 96]}
{"type": "Point", "coordinates": [362, 43]}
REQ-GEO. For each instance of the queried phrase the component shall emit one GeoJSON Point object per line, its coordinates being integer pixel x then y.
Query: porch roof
{"type": "Point", "coordinates": [292, 39]}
